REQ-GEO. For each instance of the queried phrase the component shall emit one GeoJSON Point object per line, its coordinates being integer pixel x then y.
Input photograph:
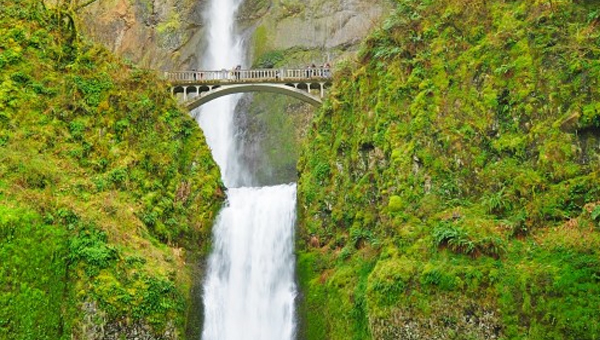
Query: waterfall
{"type": "Point", "coordinates": [249, 293]}
{"type": "Point", "coordinates": [225, 51]}
{"type": "Point", "coordinates": [249, 289]}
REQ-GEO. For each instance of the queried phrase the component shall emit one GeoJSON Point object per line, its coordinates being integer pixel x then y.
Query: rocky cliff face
{"type": "Point", "coordinates": [170, 34]}
{"type": "Point", "coordinates": [314, 24]}
{"type": "Point", "coordinates": [155, 34]}
{"type": "Point", "coordinates": [294, 33]}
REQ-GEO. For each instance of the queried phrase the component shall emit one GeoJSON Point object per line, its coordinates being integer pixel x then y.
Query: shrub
{"type": "Point", "coordinates": [91, 247]}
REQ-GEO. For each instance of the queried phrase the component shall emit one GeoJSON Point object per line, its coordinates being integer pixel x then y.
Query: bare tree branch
{"type": "Point", "coordinates": [87, 3]}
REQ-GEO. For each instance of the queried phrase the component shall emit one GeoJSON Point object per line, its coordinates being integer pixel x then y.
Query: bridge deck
{"type": "Point", "coordinates": [308, 75]}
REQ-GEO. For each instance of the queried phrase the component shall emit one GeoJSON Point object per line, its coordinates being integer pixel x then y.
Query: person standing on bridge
{"type": "Point", "coordinates": [327, 71]}
{"type": "Point", "coordinates": [237, 72]}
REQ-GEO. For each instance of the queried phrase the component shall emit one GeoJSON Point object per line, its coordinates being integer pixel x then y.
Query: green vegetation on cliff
{"type": "Point", "coordinates": [449, 187]}
{"type": "Point", "coordinates": [106, 188]}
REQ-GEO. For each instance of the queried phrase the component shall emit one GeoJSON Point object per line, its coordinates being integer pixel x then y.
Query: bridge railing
{"type": "Point", "coordinates": [249, 75]}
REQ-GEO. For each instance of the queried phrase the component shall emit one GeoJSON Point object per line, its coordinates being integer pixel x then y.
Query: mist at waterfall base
{"type": "Point", "coordinates": [249, 290]}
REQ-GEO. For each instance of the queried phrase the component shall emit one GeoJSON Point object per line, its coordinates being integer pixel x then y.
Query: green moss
{"type": "Point", "coordinates": [33, 277]}
{"type": "Point", "coordinates": [395, 204]}
{"type": "Point", "coordinates": [463, 132]}
{"type": "Point", "coordinates": [387, 282]}
{"type": "Point", "coordinates": [260, 42]}
{"type": "Point", "coordinates": [98, 167]}
{"type": "Point", "coordinates": [171, 25]}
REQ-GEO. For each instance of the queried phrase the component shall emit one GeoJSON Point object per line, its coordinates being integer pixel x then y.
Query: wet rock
{"type": "Point", "coordinates": [96, 326]}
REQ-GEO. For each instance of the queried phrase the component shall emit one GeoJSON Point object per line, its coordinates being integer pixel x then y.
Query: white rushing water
{"type": "Point", "coordinates": [249, 293]}
{"type": "Point", "coordinates": [249, 289]}
{"type": "Point", "coordinates": [225, 51]}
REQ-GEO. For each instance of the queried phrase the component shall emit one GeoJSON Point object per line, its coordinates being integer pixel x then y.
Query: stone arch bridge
{"type": "Point", "coordinates": [195, 88]}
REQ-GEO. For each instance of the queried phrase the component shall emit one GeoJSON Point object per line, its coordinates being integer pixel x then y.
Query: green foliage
{"type": "Point", "coordinates": [33, 278]}
{"type": "Point", "coordinates": [454, 237]}
{"type": "Point", "coordinates": [438, 277]}
{"type": "Point", "coordinates": [395, 204]}
{"type": "Point", "coordinates": [341, 300]}
{"type": "Point", "coordinates": [270, 59]}
{"type": "Point", "coordinates": [94, 88]}
{"type": "Point", "coordinates": [596, 213]}
{"type": "Point", "coordinates": [457, 237]}
{"type": "Point", "coordinates": [467, 133]}
{"type": "Point", "coordinates": [90, 246]}
{"type": "Point", "coordinates": [88, 144]}
{"type": "Point", "coordinates": [313, 309]}
{"type": "Point", "coordinates": [553, 294]}
{"type": "Point", "coordinates": [387, 282]}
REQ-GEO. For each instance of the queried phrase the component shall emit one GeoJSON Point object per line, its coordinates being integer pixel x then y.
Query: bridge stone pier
{"type": "Point", "coordinates": [195, 88]}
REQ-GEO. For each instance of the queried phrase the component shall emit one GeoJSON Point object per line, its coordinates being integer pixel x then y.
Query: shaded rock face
{"type": "Point", "coordinates": [472, 322]}
{"type": "Point", "coordinates": [322, 24]}
{"type": "Point", "coordinates": [96, 327]}
{"type": "Point", "coordinates": [156, 34]}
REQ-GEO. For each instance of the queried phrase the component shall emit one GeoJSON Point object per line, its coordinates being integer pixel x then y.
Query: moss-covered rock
{"type": "Point", "coordinates": [456, 147]}
{"type": "Point", "coordinates": [107, 190]}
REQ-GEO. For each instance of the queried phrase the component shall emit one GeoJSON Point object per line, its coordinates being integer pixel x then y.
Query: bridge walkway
{"type": "Point", "coordinates": [301, 83]}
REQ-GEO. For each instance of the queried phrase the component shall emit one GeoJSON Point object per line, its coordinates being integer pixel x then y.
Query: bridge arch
{"type": "Point", "coordinates": [284, 89]}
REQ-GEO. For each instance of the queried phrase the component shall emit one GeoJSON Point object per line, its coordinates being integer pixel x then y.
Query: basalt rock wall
{"type": "Point", "coordinates": [170, 34]}
{"type": "Point", "coordinates": [162, 35]}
